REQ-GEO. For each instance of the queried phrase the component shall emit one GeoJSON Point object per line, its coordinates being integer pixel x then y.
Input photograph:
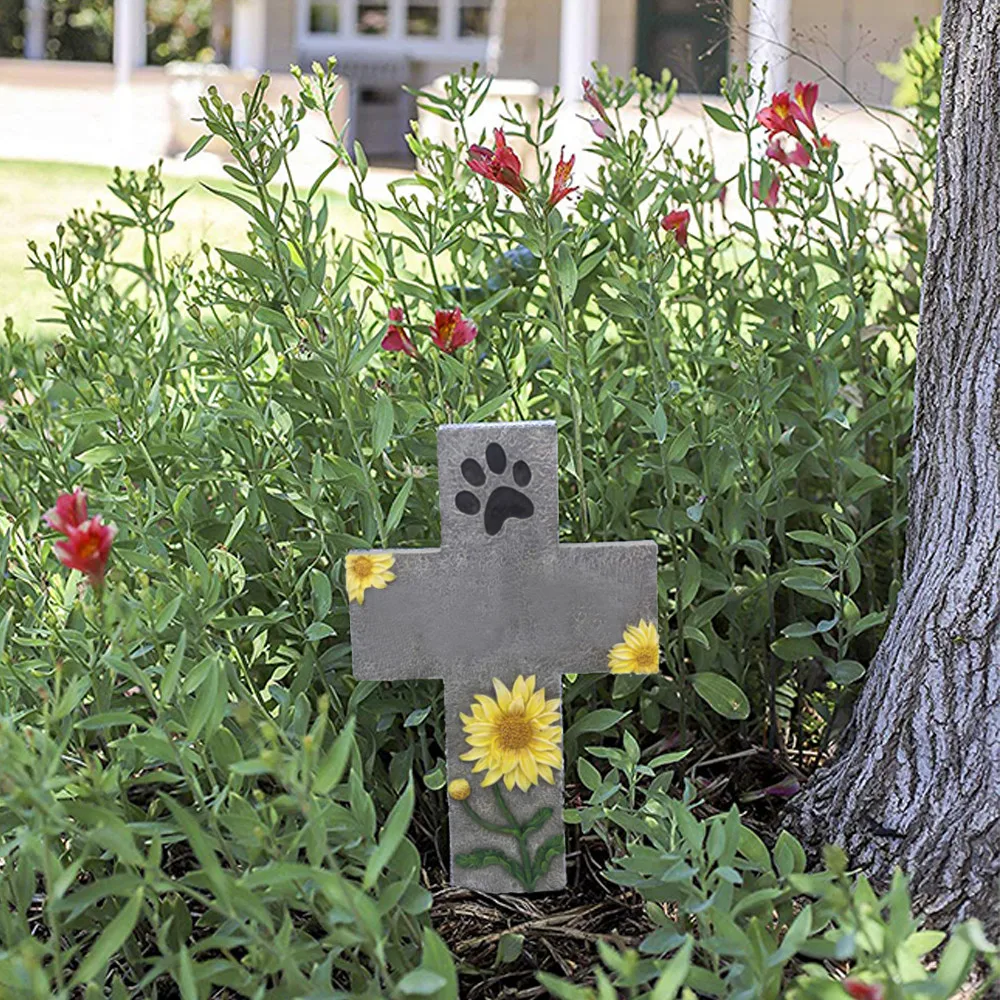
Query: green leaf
{"type": "Point", "coordinates": [485, 857]}
{"type": "Point", "coordinates": [391, 837]}
{"type": "Point", "coordinates": [198, 145]}
{"type": "Point", "coordinates": [421, 983]}
{"type": "Point", "coordinates": [250, 266]}
{"type": "Point", "coordinates": [331, 770]}
{"type": "Point", "coordinates": [538, 820]}
{"type": "Point", "coordinates": [721, 117]}
{"type": "Point", "coordinates": [382, 424]}
{"type": "Point", "coordinates": [110, 941]}
{"type": "Point", "coordinates": [509, 948]}
{"type": "Point", "coordinates": [722, 694]}
{"type": "Point", "coordinates": [674, 975]}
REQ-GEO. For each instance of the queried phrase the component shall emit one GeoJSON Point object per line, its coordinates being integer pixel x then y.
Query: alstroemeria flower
{"type": "Point", "coordinates": [798, 157]}
{"type": "Point", "coordinates": [862, 991]}
{"type": "Point", "coordinates": [771, 198]}
{"type": "Point", "coordinates": [450, 330]}
{"type": "Point", "coordinates": [601, 125]}
{"type": "Point", "coordinates": [396, 338]}
{"type": "Point", "coordinates": [676, 222]}
{"type": "Point", "coordinates": [784, 789]}
{"type": "Point", "coordinates": [805, 101]}
{"type": "Point", "coordinates": [562, 179]}
{"type": "Point", "coordinates": [824, 142]}
{"type": "Point", "coordinates": [87, 547]}
{"type": "Point", "coordinates": [778, 116]}
{"type": "Point", "coordinates": [499, 165]}
{"type": "Point", "coordinates": [70, 511]}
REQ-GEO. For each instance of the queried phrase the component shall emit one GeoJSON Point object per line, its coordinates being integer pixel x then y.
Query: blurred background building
{"type": "Point", "coordinates": [382, 45]}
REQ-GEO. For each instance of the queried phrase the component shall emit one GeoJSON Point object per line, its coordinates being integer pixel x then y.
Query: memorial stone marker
{"type": "Point", "coordinates": [500, 612]}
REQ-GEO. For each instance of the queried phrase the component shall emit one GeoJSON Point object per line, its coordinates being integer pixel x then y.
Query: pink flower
{"type": "Point", "coordinates": [70, 511]}
{"type": "Point", "coordinates": [450, 330]}
{"type": "Point", "coordinates": [805, 101]}
{"type": "Point", "coordinates": [602, 123]}
{"type": "Point", "coordinates": [862, 991]}
{"type": "Point", "coordinates": [395, 338]}
{"type": "Point", "coordinates": [771, 198]}
{"type": "Point", "coordinates": [562, 179]}
{"type": "Point", "coordinates": [784, 789]}
{"type": "Point", "coordinates": [798, 157]}
{"type": "Point", "coordinates": [778, 116]}
{"type": "Point", "coordinates": [676, 222]}
{"type": "Point", "coordinates": [87, 547]}
{"type": "Point", "coordinates": [499, 165]}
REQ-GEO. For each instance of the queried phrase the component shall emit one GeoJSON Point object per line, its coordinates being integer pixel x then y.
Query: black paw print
{"type": "Point", "coordinates": [504, 501]}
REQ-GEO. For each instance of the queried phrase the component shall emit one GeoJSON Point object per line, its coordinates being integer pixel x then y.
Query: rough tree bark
{"type": "Point", "coordinates": [917, 779]}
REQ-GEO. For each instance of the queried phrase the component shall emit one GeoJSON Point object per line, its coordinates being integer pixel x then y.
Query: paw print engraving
{"type": "Point", "coordinates": [504, 501]}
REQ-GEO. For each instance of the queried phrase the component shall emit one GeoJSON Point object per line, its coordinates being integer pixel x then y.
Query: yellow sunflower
{"type": "Point", "coordinates": [638, 653]}
{"type": "Point", "coordinates": [368, 569]}
{"type": "Point", "coordinates": [514, 736]}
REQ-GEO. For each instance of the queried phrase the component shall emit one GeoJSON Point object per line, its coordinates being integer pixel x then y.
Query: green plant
{"type": "Point", "coordinates": [742, 920]}
{"type": "Point", "coordinates": [740, 393]}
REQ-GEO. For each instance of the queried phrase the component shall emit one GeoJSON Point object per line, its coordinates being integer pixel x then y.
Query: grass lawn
{"type": "Point", "coordinates": [36, 197]}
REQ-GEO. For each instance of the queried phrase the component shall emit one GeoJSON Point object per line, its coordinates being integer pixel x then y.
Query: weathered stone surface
{"type": "Point", "coordinates": [501, 598]}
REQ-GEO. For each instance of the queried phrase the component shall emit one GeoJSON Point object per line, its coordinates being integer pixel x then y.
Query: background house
{"type": "Point", "coordinates": [530, 45]}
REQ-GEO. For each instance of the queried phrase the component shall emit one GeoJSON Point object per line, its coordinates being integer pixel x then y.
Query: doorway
{"type": "Point", "coordinates": [688, 37]}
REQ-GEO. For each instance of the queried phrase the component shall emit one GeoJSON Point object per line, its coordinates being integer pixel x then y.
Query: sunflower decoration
{"type": "Point", "coordinates": [515, 736]}
{"type": "Point", "coordinates": [638, 652]}
{"type": "Point", "coordinates": [368, 569]}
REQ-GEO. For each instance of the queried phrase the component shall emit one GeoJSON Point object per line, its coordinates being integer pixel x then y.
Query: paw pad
{"type": "Point", "coordinates": [504, 501]}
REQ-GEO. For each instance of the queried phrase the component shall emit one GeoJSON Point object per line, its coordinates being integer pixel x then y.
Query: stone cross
{"type": "Point", "coordinates": [502, 598]}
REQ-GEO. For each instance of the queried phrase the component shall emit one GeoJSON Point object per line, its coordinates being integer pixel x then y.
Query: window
{"type": "Point", "coordinates": [373, 18]}
{"type": "Point", "coordinates": [324, 17]}
{"type": "Point", "coordinates": [423, 19]}
{"type": "Point", "coordinates": [474, 18]}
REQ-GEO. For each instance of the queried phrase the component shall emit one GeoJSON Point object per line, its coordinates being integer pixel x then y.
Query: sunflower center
{"type": "Point", "coordinates": [363, 567]}
{"type": "Point", "coordinates": [514, 732]}
{"type": "Point", "coordinates": [647, 658]}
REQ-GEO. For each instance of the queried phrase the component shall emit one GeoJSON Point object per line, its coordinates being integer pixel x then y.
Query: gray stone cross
{"type": "Point", "coordinates": [502, 598]}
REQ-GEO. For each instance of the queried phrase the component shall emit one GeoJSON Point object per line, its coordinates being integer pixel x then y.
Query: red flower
{"type": "Point", "coordinates": [450, 330]}
{"type": "Point", "coordinates": [798, 157]}
{"type": "Point", "coordinates": [771, 198]}
{"type": "Point", "coordinates": [778, 116]}
{"type": "Point", "coordinates": [805, 101]}
{"type": "Point", "coordinates": [562, 179]}
{"type": "Point", "coordinates": [824, 142]}
{"type": "Point", "coordinates": [602, 124]}
{"type": "Point", "coordinates": [395, 338]}
{"type": "Point", "coordinates": [676, 222]}
{"type": "Point", "coordinates": [499, 165]}
{"type": "Point", "coordinates": [70, 511]}
{"type": "Point", "coordinates": [862, 991]}
{"type": "Point", "coordinates": [87, 548]}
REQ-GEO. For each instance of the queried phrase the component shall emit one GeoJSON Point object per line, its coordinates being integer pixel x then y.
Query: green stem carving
{"type": "Point", "coordinates": [527, 870]}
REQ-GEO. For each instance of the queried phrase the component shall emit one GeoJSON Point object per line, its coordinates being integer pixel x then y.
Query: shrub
{"type": "Point", "coordinates": [195, 790]}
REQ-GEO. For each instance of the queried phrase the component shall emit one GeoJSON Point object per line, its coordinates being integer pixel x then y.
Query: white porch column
{"type": "Point", "coordinates": [249, 34]}
{"type": "Point", "coordinates": [129, 45]}
{"type": "Point", "coordinates": [36, 25]}
{"type": "Point", "coordinates": [770, 39]}
{"type": "Point", "coordinates": [578, 40]}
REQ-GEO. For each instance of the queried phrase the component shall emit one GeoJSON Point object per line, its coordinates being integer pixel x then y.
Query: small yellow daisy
{"type": "Point", "coordinates": [514, 736]}
{"type": "Point", "coordinates": [459, 789]}
{"type": "Point", "coordinates": [639, 653]}
{"type": "Point", "coordinates": [368, 569]}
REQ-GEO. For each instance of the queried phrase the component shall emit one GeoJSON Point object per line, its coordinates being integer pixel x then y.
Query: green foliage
{"type": "Point", "coordinates": [742, 920]}
{"type": "Point", "coordinates": [83, 29]}
{"type": "Point", "coordinates": [195, 793]}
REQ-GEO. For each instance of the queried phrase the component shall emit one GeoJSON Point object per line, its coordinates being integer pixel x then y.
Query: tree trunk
{"type": "Point", "coordinates": [916, 782]}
